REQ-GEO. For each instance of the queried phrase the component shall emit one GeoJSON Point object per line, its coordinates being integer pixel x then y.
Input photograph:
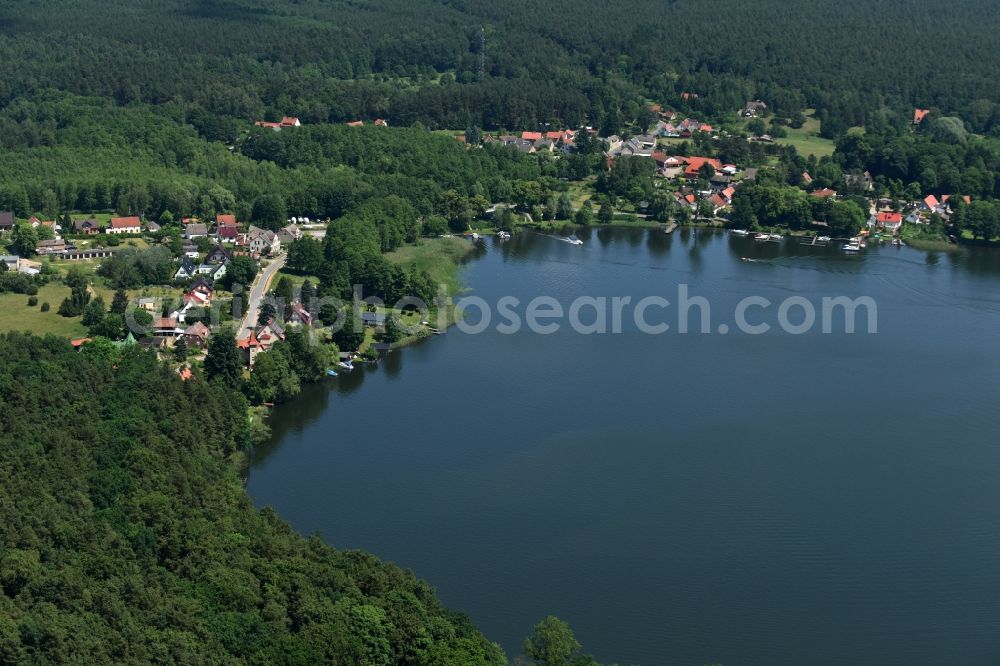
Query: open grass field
{"type": "Point", "coordinates": [441, 257]}
{"type": "Point", "coordinates": [15, 315]}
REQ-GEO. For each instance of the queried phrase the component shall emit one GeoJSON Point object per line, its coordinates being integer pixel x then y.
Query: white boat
{"type": "Point", "coordinates": [573, 240]}
{"type": "Point", "coordinates": [345, 366]}
{"type": "Point", "coordinates": [823, 239]}
{"type": "Point", "coordinates": [761, 237]}
{"type": "Point", "coordinates": [739, 232]}
{"type": "Point", "coordinates": [503, 235]}
{"type": "Point", "coordinates": [775, 237]}
{"type": "Point", "coordinates": [850, 247]}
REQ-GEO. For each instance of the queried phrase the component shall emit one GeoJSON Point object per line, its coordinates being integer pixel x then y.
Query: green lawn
{"type": "Point", "coordinates": [15, 315]}
{"type": "Point", "coordinates": [441, 257]}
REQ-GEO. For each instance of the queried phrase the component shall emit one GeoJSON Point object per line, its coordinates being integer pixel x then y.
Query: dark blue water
{"type": "Point", "coordinates": [684, 499]}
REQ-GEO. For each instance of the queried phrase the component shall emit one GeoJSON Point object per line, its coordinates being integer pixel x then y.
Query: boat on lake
{"type": "Point", "coordinates": [503, 235]}
{"type": "Point", "coordinates": [331, 373]}
{"type": "Point", "coordinates": [739, 232]}
{"type": "Point", "coordinates": [823, 239]}
{"type": "Point", "coordinates": [851, 247]}
{"type": "Point", "coordinates": [572, 240]}
{"type": "Point", "coordinates": [775, 238]}
{"type": "Point", "coordinates": [761, 237]}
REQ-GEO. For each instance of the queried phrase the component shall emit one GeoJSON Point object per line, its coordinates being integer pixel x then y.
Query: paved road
{"type": "Point", "coordinates": [257, 292]}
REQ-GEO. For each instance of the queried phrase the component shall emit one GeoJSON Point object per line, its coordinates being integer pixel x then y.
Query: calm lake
{"type": "Point", "coordinates": [683, 499]}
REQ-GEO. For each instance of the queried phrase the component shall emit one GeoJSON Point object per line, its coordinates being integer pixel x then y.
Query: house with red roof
{"type": "Point", "coordinates": [379, 122]}
{"type": "Point", "coordinates": [124, 225]}
{"type": "Point", "coordinates": [250, 346]}
{"type": "Point", "coordinates": [931, 204]}
{"type": "Point", "coordinates": [356, 123]}
{"type": "Point", "coordinates": [531, 136]}
{"type": "Point", "coordinates": [919, 115]}
{"type": "Point", "coordinates": [890, 221]}
{"type": "Point", "coordinates": [718, 202]}
{"type": "Point", "coordinates": [290, 121]}
{"type": "Point", "coordinates": [694, 165]}
{"type": "Point", "coordinates": [825, 193]}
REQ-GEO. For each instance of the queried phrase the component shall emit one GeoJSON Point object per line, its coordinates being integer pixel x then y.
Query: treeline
{"type": "Point", "coordinates": [554, 62]}
{"type": "Point", "coordinates": [125, 535]}
{"type": "Point", "coordinates": [943, 157]}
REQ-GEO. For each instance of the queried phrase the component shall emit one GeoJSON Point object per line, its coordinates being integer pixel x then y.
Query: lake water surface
{"type": "Point", "coordinates": [683, 499]}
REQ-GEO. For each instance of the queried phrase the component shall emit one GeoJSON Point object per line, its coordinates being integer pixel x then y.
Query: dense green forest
{"type": "Point", "coordinates": [565, 62]}
{"type": "Point", "coordinates": [126, 537]}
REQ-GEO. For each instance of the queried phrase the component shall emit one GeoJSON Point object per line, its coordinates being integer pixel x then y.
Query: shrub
{"type": "Point", "coordinates": [32, 301]}
{"type": "Point", "coordinates": [45, 307]}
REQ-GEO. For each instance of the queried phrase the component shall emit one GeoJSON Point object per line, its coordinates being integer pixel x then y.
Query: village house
{"type": "Point", "coordinates": [695, 164]}
{"type": "Point", "coordinates": [931, 204]}
{"type": "Point", "coordinates": [270, 334]}
{"type": "Point", "coordinates": [213, 272]}
{"type": "Point", "coordinates": [147, 304]}
{"type": "Point", "coordinates": [6, 220]}
{"type": "Point", "coordinates": [218, 255]}
{"type": "Point", "coordinates": [287, 121]}
{"type": "Point", "coordinates": [825, 193]}
{"type": "Point", "coordinates": [124, 225]}
{"type": "Point", "coordinates": [50, 247]}
{"type": "Point", "coordinates": [187, 269]}
{"type": "Point", "coordinates": [250, 347]}
{"type": "Point", "coordinates": [153, 227]}
{"type": "Point", "coordinates": [919, 115]}
{"type": "Point", "coordinates": [754, 108]}
{"type": "Point", "coordinates": [195, 230]}
{"type": "Point", "coordinates": [288, 234]}
{"type": "Point", "coordinates": [262, 241]}
{"type": "Point", "coordinates": [86, 227]}
{"type": "Point", "coordinates": [166, 327]}
{"type": "Point", "coordinates": [299, 315]}
{"type": "Point", "coordinates": [196, 335]}
{"type": "Point", "coordinates": [887, 220]}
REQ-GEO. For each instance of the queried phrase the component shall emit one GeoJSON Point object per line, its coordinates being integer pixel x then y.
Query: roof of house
{"type": "Point", "coordinates": [729, 192]}
{"type": "Point", "coordinates": [125, 222]}
{"type": "Point", "coordinates": [694, 164]}
{"type": "Point", "coordinates": [185, 373]}
{"type": "Point", "coordinates": [889, 218]}
{"type": "Point", "coordinates": [85, 224]}
{"type": "Point", "coordinates": [196, 229]}
{"type": "Point", "coordinates": [531, 136]}
{"type": "Point", "coordinates": [919, 115]}
{"type": "Point", "coordinates": [226, 219]}
{"type": "Point", "coordinates": [931, 201]}
{"type": "Point", "coordinates": [356, 123]}
{"type": "Point", "coordinates": [290, 121]}
{"type": "Point", "coordinates": [6, 219]}
{"type": "Point", "coordinates": [825, 193]}
{"type": "Point", "coordinates": [250, 342]}
{"type": "Point", "coordinates": [187, 266]}
{"type": "Point", "coordinates": [78, 342]}
{"type": "Point", "coordinates": [165, 322]}
{"type": "Point", "coordinates": [197, 329]}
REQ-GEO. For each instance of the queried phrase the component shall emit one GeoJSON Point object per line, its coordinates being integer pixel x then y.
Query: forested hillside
{"type": "Point", "coordinates": [125, 535]}
{"type": "Point", "coordinates": [558, 61]}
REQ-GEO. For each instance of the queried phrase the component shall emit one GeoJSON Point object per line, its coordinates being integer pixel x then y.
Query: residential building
{"type": "Point", "coordinates": [195, 230]}
{"type": "Point", "coordinates": [124, 225]}
{"type": "Point", "coordinates": [262, 241]}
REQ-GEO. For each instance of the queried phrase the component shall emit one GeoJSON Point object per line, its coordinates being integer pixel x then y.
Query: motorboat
{"type": "Point", "coordinates": [761, 237]}
{"type": "Point", "coordinates": [573, 240]}
{"type": "Point", "coordinates": [739, 232]}
{"type": "Point", "coordinates": [774, 238]}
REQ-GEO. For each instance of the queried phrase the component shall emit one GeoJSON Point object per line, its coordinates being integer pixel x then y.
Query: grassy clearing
{"type": "Point", "coordinates": [440, 257]}
{"type": "Point", "coordinates": [15, 315]}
